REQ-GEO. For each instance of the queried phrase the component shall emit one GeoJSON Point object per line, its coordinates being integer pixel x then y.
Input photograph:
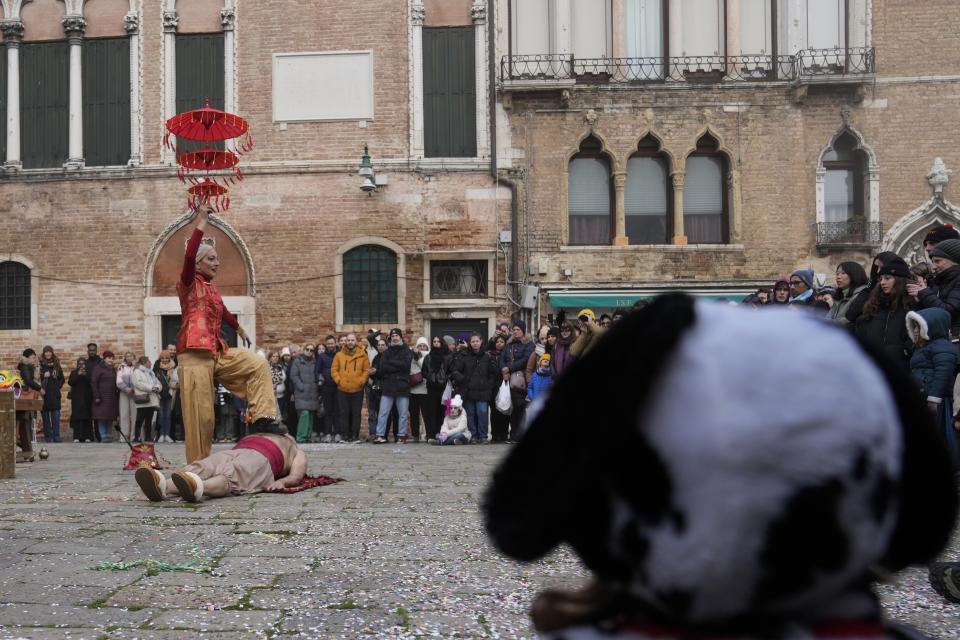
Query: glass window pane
{"type": "Point", "coordinates": [838, 192]}
{"type": "Point", "coordinates": [825, 24]}
{"type": "Point", "coordinates": [644, 26]}
{"type": "Point", "coordinates": [755, 28]}
{"type": "Point", "coordinates": [14, 295]}
{"type": "Point", "coordinates": [589, 20]}
{"type": "Point", "coordinates": [531, 27]}
{"type": "Point", "coordinates": [369, 285]}
{"type": "Point", "coordinates": [458, 279]}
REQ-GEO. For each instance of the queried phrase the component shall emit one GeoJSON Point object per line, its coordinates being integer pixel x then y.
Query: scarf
{"type": "Point", "coordinates": [806, 295]}
{"type": "Point", "coordinates": [276, 371]}
{"type": "Point", "coordinates": [167, 367]}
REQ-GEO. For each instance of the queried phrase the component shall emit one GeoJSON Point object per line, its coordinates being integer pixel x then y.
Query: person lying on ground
{"type": "Point", "coordinates": [260, 462]}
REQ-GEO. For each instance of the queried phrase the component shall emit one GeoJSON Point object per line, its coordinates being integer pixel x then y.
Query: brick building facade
{"type": "Point", "coordinates": [89, 252]}
{"type": "Point", "coordinates": [823, 143]}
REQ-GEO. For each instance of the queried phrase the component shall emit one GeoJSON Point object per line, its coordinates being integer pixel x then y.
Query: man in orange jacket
{"type": "Point", "coordinates": [350, 370]}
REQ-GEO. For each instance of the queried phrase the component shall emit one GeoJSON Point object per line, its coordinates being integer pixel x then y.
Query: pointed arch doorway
{"type": "Point", "coordinates": [235, 279]}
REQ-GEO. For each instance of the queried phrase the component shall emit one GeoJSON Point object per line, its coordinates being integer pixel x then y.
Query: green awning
{"type": "Point", "coordinates": [625, 299]}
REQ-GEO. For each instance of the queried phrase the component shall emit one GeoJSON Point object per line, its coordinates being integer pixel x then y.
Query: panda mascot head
{"type": "Point", "coordinates": [728, 470]}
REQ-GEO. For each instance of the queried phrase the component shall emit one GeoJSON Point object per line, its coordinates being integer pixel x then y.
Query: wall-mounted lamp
{"type": "Point", "coordinates": [366, 172]}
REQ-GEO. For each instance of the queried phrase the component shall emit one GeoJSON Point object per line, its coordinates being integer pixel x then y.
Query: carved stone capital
{"type": "Point", "coordinates": [478, 12]}
{"type": "Point", "coordinates": [131, 23]}
{"type": "Point", "coordinates": [74, 26]}
{"type": "Point", "coordinates": [417, 14]}
{"type": "Point", "coordinates": [12, 31]}
{"type": "Point", "coordinates": [170, 21]}
{"type": "Point", "coordinates": [678, 177]}
{"type": "Point", "coordinates": [227, 18]}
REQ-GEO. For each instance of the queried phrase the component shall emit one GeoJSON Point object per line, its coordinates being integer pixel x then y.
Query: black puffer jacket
{"type": "Point", "coordinates": [475, 375]}
{"type": "Point", "coordinates": [944, 294]}
{"type": "Point", "coordinates": [395, 370]}
{"type": "Point", "coordinates": [886, 329]}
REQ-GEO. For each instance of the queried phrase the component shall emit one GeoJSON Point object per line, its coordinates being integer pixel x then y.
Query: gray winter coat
{"type": "Point", "coordinates": [303, 376]}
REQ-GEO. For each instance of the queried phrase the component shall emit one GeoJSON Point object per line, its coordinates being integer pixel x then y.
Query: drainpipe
{"type": "Point", "coordinates": [494, 170]}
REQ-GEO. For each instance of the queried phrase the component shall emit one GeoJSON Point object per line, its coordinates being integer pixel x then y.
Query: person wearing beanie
{"type": "Point", "coordinates": [541, 380]}
{"type": "Point", "coordinates": [27, 368]}
{"type": "Point", "coordinates": [938, 234]}
{"type": "Point", "coordinates": [883, 322]}
{"type": "Point", "coordinates": [436, 376]}
{"type": "Point", "coordinates": [513, 367]}
{"type": "Point", "coordinates": [589, 330]}
{"type": "Point", "coordinates": [711, 511]}
{"type": "Point", "coordinates": [802, 291]}
{"type": "Point", "coordinates": [51, 379]}
{"type": "Point", "coordinates": [855, 309]}
{"type": "Point", "coordinates": [454, 429]}
{"type": "Point", "coordinates": [944, 290]}
{"type": "Point", "coordinates": [394, 372]}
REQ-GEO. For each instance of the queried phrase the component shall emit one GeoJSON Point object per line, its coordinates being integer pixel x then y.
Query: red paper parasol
{"type": "Point", "coordinates": [208, 192]}
{"type": "Point", "coordinates": [207, 124]}
{"type": "Point", "coordinates": [206, 160]}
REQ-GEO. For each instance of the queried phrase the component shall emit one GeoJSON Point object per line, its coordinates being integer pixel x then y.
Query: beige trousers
{"type": "Point", "coordinates": [246, 375]}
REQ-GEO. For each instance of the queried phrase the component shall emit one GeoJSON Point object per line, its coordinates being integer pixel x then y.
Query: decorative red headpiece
{"type": "Point", "coordinates": [208, 125]}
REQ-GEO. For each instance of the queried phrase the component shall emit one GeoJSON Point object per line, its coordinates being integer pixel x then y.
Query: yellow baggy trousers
{"type": "Point", "coordinates": [246, 375]}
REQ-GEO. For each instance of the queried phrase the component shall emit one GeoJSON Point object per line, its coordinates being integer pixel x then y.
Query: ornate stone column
{"type": "Point", "coordinates": [736, 214]}
{"type": "Point", "coordinates": [131, 24]}
{"type": "Point", "coordinates": [170, 23]}
{"type": "Point", "coordinates": [679, 237]}
{"type": "Point", "coordinates": [480, 24]}
{"type": "Point", "coordinates": [417, 15]}
{"type": "Point", "coordinates": [618, 27]}
{"type": "Point", "coordinates": [228, 17]}
{"type": "Point", "coordinates": [74, 27]}
{"type": "Point", "coordinates": [12, 36]}
{"type": "Point", "coordinates": [620, 207]}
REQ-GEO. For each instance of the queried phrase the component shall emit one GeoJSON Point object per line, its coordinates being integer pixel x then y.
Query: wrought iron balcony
{"type": "Point", "coordinates": [849, 233]}
{"type": "Point", "coordinates": [809, 65]}
{"type": "Point", "coordinates": [833, 63]}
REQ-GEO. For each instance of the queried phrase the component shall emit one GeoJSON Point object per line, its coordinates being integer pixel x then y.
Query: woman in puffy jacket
{"type": "Point", "coordinates": [883, 320]}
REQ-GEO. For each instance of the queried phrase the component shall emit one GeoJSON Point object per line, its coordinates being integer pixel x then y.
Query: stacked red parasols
{"type": "Point", "coordinates": [209, 171]}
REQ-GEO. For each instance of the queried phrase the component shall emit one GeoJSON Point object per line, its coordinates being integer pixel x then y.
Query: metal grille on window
{"type": "Point", "coordinates": [369, 285]}
{"type": "Point", "coordinates": [14, 296]}
{"type": "Point", "coordinates": [458, 279]}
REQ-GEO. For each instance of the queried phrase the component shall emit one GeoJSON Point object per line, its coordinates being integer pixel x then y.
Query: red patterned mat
{"type": "Point", "coordinates": [309, 482]}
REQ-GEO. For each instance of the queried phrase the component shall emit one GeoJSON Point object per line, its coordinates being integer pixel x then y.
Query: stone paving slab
{"type": "Point", "coordinates": [396, 551]}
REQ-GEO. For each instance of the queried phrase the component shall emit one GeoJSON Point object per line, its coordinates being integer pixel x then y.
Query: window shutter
{"type": "Point", "coordinates": [702, 27]}
{"type": "Point", "coordinates": [106, 101]}
{"type": "Point", "coordinates": [589, 20]}
{"type": "Point", "coordinates": [200, 76]}
{"type": "Point", "coordinates": [589, 187]}
{"type": "Point", "coordinates": [703, 186]}
{"type": "Point", "coordinates": [646, 190]}
{"type": "Point", "coordinates": [44, 103]}
{"type": "Point", "coordinates": [531, 27]}
{"type": "Point", "coordinates": [449, 93]}
{"type": "Point", "coordinates": [644, 28]}
{"type": "Point", "coordinates": [825, 22]}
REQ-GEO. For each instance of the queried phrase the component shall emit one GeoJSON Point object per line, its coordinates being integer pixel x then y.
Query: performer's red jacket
{"type": "Point", "coordinates": [201, 306]}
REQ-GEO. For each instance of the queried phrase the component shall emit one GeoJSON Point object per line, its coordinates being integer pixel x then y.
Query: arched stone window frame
{"type": "Point", "coordinates": [360, 241]}
{"type": "Point", "coordinates": [871, 176]}
{"type": "Point", "coordinates": [34, 296]}
{"type": "Point", "coordinates": [662, 153]}
{"type": "Point", "coordinates": [155, 307]}
{"type": "Point", "coordinates": [731, 188]}
{"type": "Point", "coordinates": [617, 174]}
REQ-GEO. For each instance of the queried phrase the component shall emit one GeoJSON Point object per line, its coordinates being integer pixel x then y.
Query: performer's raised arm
{"type": "Point", "coordinates": [190, 256]}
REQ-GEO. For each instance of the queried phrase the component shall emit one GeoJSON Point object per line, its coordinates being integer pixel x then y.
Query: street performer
{"type": "Point", "coordinates": [203, 355]}
{"type": "Point", "coordinates": [259, 462]}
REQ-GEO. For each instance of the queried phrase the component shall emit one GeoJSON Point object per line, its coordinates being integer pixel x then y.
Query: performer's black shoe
{"type": "Point", "coordinates": [267, 425]}
{"type": "Point", "coordinates": [945, 579]}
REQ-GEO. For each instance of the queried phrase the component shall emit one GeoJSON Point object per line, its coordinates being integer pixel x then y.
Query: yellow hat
{"type": "Point", "coordinates": [544, 358]}
{"type": "Point", "coordinates": [587, 312]}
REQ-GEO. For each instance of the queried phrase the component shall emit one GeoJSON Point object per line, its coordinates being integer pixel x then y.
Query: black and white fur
{"type": "Point", "coordinates": [728, 468]}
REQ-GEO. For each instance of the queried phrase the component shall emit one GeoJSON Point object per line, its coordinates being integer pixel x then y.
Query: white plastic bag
{"type": "Point", "coordinates": [504, 403]}
{"type": "Point", "coordinates": [447, 392]}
